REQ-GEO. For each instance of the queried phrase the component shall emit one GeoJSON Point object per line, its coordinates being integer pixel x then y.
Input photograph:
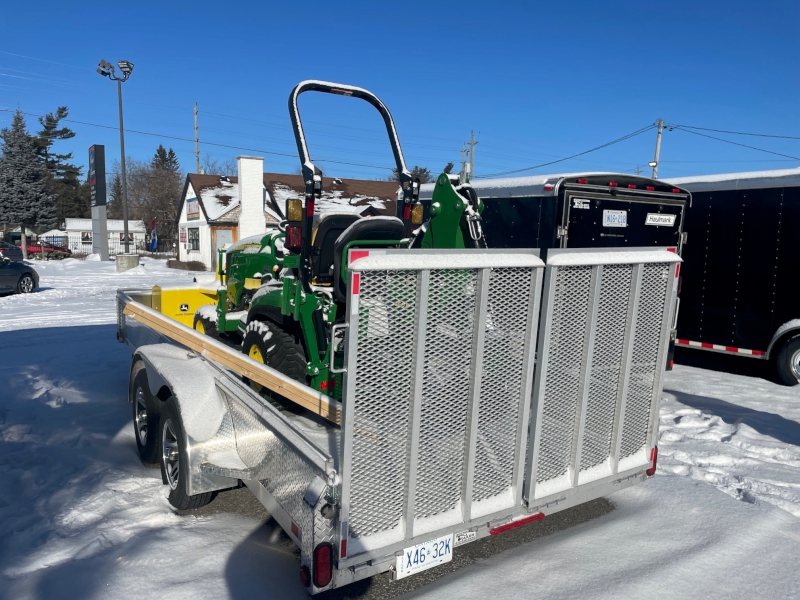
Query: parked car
{"type": "Point", "coordinates": [50, 251]}
{"type": "Point", "coordinates": [10, 251]}
{"type": "Point", "coordinates": [17, 277]}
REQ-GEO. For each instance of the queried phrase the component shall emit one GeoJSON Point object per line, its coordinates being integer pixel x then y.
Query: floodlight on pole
{"type": "Point", "coordinates": [652, 164]}
{"type": "Point", "coordinates": [106, 69]}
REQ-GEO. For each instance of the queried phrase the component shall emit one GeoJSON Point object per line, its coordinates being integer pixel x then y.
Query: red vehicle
{"type": "Point", "coordinates": [50, 250]}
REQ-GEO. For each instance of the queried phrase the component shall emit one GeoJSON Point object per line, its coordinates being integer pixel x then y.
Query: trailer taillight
{"type": "Point", "coordinates": [650, 188]}
{"type": "Point", "coordinates": [631, 186]}
{"type": "Point", "coordinates": [305, 576]}
{"type": "Point", "coordinates": [323, 565]}
{"type": "Point", "coordinates": [612, 184]}
{"type": "Point", "coordinates": [294, 237]}
{"type": "Point", "coordinates": [654, 459]}
{"type": "Point", "coordinates": [676, 191]}
{"type": "Point", "coordinates": [581, 181]}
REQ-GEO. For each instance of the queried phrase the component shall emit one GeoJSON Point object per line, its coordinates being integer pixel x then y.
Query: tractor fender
{"type": "Point", "coordinates": [261, 312]}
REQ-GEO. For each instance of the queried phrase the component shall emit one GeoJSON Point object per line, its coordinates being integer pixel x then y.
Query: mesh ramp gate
{"type": "Point", "coordinates": [440, 366]}
{"type": "Point", "coordinates": [602, 350]}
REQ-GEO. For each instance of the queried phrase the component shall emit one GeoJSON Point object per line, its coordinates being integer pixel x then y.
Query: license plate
{"type": "Point", "coordinates": [424, 556]}
{"type": "Point", "coordinates": [615, 218]}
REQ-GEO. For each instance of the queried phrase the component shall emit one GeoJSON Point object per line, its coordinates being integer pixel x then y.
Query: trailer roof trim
{"type": "Point", "coordinates": [509, 187]}
{"type": "Point", "coordinates": [739, 181]}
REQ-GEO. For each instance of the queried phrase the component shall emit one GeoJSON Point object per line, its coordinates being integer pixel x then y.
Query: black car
{"type": "Point", "coordinates": [17, 277]}
{"type": "Point", "coordinates": [10, 251]}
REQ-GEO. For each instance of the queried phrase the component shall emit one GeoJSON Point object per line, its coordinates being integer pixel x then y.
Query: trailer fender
{"type": "Point", "coordinates": [190, 381]}
{"type": "Point", "coordinates": [783, 332]}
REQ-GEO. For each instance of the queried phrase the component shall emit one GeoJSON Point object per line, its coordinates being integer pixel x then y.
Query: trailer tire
{"type": "Point", "coordinates": [788, 361]}
{"type": "Point", "coordinates": [145, 418]}
{"type": "Point", "coordinates": [276, 347]}
{"type": "Point", "coordinates": [205, 325]}
{"type": "Point", "coordinates": [173, 459]}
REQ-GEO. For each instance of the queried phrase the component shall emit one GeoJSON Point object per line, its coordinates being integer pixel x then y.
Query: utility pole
{"type": "Point", "coordinates": [638, 170]}
{"type": "Point", "coordinates": [196, 142]}
{"type": "Point", "coordinates": [463, 176]}
{"type": "Point", "coordinates": [472, 144]}
{"type": "Point", "coordinates": [654, 164]}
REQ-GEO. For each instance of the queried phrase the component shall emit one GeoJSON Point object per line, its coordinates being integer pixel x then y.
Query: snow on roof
{"type": "Point", "coordinates": [219, 199]}
{"type": "Point", "coordinates": [134, 226]}
{"type": "Point", "coordinates": [330, 201]}
{"type": "Point", "coordinates": [509, 187]}
{"type": "Point", "coordinates": [739, 181]}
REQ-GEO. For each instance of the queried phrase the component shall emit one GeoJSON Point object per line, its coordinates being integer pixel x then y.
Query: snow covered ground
{"type": "Point", "coordinates": [80, 517]}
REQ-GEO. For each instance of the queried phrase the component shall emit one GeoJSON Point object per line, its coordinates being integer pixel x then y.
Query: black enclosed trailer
{"type": "Point", "coordinates": [595, 210]}
{"type": "Point", "coordinates": [580, 210]}
{"type": "Point", "coordinates": [739, 292]}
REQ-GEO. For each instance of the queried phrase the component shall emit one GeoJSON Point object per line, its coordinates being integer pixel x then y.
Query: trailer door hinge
{"type": "Point", "coordinates": [684, 237]}
{"type": "Point", "coordinates": [561, 231]}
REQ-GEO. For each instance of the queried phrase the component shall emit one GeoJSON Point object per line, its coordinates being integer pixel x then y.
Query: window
{"type": "Point", "coordinates": [194, 239]}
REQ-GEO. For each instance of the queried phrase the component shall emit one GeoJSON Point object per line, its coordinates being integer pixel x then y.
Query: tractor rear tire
{"type": "Point", "coordinates": [277, 348]}
{"type": "Point", "coordinates": [788, 361]}
{"type": "Point", "coordinates": [205, 325]}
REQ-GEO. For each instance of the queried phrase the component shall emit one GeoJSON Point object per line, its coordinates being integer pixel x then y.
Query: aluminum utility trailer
{"type": "Point", "coordinates": [483, 390]}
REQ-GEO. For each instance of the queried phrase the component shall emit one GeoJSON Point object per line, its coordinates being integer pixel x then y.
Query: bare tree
{"type": "Point", "coordinates": [213, 166]}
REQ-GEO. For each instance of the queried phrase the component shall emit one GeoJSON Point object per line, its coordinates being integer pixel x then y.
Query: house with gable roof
{"type": "Point", "coordinates": [218, 210]}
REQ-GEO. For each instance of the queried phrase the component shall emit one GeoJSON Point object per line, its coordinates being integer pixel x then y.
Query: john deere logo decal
{"type": "Point", "coordinates": [184, 307]}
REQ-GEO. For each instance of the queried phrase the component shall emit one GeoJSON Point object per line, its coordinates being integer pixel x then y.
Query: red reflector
{"type": "Point", "coordinates": [581, 181]}
{"type": "Point", "coordinates": [650, 188]}
{"type": "Point", "coordinates": [407, 212]}
{"type": "Point", "coordinates": [343, 551]}
{"type": "Point", "coordinates": [677, 269]}
{"type": "Point", "coordinates": [515, 524]}
{"type": "Point", "coordinates": [309, 207]}
{"type": "Point", "coordinates": [548, 187]}
{"type": "Point", "coordinates": [295, 530]}
{"type": "Point", "coordinates": [305, 576]}
{"type": "Point", "coordinates": [294, 237]}
{"type": "Point", "coordinates": [671, 365]}
{"type": "Point", "coordinates": [323, 565]}
{"type": "Point", "coordinates": [676, 191]}
{"type": "Point", "coordinates": [356, 254]}
{"type": "Point", "coordinates": [324, 385]}
{"type": "Point", "coordinates": [612, 184]}
{"type": "Point", "coordinates": [631, 186]}
{"type": "Point", "coordinates": [672, 250]}
{"type": "Point", "coordinates": [356, 283]}
{"type": "Point", "coordinates": [654, 458]}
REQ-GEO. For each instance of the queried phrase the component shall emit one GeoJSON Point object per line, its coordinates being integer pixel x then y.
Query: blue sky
{"type": "Point", "coordinates": [536, 81]}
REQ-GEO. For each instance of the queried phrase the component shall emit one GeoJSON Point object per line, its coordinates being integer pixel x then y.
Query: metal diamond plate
{"type": "Point", "coordinates": [569, 315]}
{"type": "Point", "coordinates": [501, 382]}
{"type": "Point", "coordinates": [644, 365]}
{"type": "Point", "coordinates": [606, 363]}
{"type": "Point", "coordinates": [445, 390]}
{"type": "Point", "coordinates": [387, 301]}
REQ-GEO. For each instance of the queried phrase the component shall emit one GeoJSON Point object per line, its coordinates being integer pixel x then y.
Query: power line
{"type": "Point", "coordinates": [679, 127]}
{"type": "Point", "coordinates": [766, 135]}
{"type": "Point", "coordinates": [552, 162]}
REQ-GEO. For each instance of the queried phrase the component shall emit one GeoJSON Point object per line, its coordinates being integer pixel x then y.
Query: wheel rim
{"type": "Point", "coordinates": [255, 354]}
{"type": "Point", "coordinates": [170, 454]}
{"type": "Point", "coordinates": [200, 327]}
{"type": "Point", "coordinates": [140, 420]}
{"type": "Point", "coordinates": [795, 364]}
{"type": "Point", "coordinates": [26, 284]}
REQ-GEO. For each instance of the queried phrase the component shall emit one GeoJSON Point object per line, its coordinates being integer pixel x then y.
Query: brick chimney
{"type": "Point", "coordinates": [251, 196]}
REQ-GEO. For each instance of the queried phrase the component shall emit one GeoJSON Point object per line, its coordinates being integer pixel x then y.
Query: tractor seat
{"type": "Point", "coordinates": [365, 229]}
{"type": "Point", "coordinates": [329, 227]}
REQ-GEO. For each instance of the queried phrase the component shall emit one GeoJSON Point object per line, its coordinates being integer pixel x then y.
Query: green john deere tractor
{"type": "Point", "coordinates": [285, 290]}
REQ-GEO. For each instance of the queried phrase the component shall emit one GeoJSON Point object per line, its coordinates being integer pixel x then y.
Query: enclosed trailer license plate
{"type": "Point", "coordinates": [424, 556]}
{"type": "Point", "coordinates": [615, 218]}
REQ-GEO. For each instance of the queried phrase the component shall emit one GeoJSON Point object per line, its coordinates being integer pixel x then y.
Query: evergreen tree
{"type": "Point", "coordinates": [114, 207]}
{"type": "Point", "coordinates": [24, 197]}
{"type": "Point", "coordinates": [423, 173]}
{"type": "Point", "coordinates": [165, 160]}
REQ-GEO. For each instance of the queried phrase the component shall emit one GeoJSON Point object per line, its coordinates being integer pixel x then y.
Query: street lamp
{"type": "Point", "coordinates": [106, 69]}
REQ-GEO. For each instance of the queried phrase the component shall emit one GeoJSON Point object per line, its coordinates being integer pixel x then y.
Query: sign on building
{"type": "Point", "coordinates": [192, 209]}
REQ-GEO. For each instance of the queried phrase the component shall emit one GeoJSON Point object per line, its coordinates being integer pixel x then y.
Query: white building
{"type": "Point", "coordinates": [76, 235]}
{"type": "Point", "coordinates": [216, 210]}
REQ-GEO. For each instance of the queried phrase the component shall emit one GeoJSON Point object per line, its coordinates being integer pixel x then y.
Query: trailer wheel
{"type": "Point", "coordinates": [205, 325]}
{"type": "Point", "coordinates": [145, 419]}
{"type": "Point", "coordinates": [174, 463]}
{"type": "Point", "coordinates": [275, 347]}
{"type": "Point", "coordinates": [788, 361]}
